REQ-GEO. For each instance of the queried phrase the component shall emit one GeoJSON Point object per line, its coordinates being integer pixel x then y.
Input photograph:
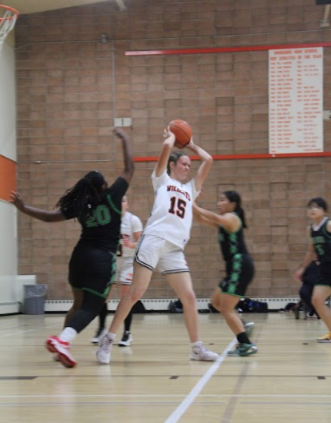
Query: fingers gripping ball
{"type": "Point", "coordinates": [182, 131]}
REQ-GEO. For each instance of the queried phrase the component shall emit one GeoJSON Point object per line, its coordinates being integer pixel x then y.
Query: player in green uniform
{"type": "Point", "coordinates": [320, 246]}
{"type": "Point", "coordinates": [239, 264]}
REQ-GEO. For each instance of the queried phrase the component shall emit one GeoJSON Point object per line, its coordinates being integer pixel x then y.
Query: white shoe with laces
{"type": "Point", "coordinates": [104, 350]}
{"type": "Point", "coordinates": [201, 353]}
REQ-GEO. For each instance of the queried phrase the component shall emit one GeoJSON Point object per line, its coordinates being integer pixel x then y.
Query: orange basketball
{"type": "Point", "coordinates": [182, 131]}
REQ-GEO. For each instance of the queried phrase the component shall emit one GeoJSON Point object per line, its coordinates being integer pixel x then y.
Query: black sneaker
{"type": "Point", "coordinates": [126, 340]}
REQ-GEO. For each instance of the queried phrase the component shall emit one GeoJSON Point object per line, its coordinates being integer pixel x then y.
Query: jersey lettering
{"type": "Point", "coordinates": [100, 217]}
{"type": "Point", "coordinates": [181, 207]}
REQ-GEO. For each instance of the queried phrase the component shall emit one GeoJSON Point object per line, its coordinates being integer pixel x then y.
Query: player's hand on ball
{"type": "Point", "coordinates": [167, 132]}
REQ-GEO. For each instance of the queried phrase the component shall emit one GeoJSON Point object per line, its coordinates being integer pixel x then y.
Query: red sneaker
{"type": "Point", "coordinates": [61, 348]}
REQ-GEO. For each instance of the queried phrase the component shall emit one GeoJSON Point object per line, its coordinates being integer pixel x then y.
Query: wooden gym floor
{"type": "Point", "coordinates": [153, 381]}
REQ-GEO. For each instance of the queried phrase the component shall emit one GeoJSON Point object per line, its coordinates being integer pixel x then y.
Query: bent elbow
{"type": "Point", "coordinates": [210, 160]}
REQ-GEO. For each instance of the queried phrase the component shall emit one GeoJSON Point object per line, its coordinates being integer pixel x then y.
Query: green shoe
{"type": "Point", "coordinates": [243, 350]}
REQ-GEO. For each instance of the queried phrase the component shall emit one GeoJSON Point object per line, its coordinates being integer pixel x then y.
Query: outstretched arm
{"type": "Point", "coordinates": [127, 156]}
{"type": "Point", "coordinates": [229, 221]}
{"type": "Point", "coordinates": [205, 166]}
{"type": "Point", "coordinates": [167, 146]}
{"type": "Point", "coordinates": [201, 219]}
{"type": "Point", "coordinates": [44, 215]}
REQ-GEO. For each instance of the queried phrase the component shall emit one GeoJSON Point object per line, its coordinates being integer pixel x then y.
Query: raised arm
{"type": "Point", "coordinates": [205, 166]}
{"type": "Point", "coordinates": [44, 215]}
{"type": "Point", "coordinates": [228, 221]}
{"type": "Point", "coordinates": [167, 146]}
{"type": "Point", "coordinates": [127, 156]}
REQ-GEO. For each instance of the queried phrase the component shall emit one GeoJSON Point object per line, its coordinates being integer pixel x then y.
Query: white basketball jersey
{"type": "Point", "coordinates": [171, 216]}
{"type": "Point", "coordinates": [129, 225]}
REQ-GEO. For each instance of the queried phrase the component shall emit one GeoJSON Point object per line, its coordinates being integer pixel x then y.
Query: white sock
{"type": "Point", "coordinates": [196, 344]}
{"type": "Point", "coordinates": [111, 336]}
{"type": "Point", "coordinates": [68, 335]}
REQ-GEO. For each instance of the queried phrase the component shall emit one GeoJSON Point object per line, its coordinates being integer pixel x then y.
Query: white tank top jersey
{"type": "Point", "coordinates": [171, 216]}
{"type": "Point", "coordinates": [129, 225]}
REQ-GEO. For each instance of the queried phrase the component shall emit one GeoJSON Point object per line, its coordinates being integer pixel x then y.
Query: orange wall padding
{"type": "Point", "coordinates": [7, 177]}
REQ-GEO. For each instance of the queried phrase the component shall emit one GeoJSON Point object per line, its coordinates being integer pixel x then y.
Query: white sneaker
{"type": "Point", "coordinates": [201, 353]}
{"type": "Point", "coordinates": [126, 340]}
{"type": "Point", "coordinates": [98, 335]}
{"type": "Point", "coordinates": [104, 349]}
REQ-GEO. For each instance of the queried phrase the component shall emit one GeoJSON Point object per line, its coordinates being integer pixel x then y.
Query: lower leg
{"type": "Point", "coordinates": [306, 292]}
{"type": "Point", "coordinates": [102, 316]}
{"type": "Point", "coordinates": [78, 299]}
{"type": "Point", "coordinates": [320, 295]}
{"type": "Point", "coordinates": [181, 283]}
{"type": "Point", "coordinates": [140, 282]}
{"type": "Point", "coordinates": [227, 303]}
{"type": "Point", "coordinates": [91, 307]}
{"type": "Point", "coordinates": [191, 320]}
{"type": "Point", "coordinates": [122, 311]}
{"type": "Point", "coordinates": [127, 321]}
{"type": "Point", "coordinates": [325, 313]}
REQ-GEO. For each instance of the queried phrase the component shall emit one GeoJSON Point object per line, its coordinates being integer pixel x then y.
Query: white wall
{"type": "Point", "coordinates": [8, 232]}
{"type": "Point", "coordinates": [7, 102]}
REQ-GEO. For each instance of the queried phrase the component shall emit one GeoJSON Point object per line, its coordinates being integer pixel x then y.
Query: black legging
{"type": "Point", "coordinates": [91, 307]}
{"type": "Point", "coordinates": [306, 292]}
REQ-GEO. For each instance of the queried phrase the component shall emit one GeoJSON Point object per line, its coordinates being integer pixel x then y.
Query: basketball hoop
{"type": "Point", "coordinates": [8, 18]}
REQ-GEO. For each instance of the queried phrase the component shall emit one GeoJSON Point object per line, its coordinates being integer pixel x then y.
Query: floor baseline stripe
{"type": "Point", "coordinates": [187, 402]}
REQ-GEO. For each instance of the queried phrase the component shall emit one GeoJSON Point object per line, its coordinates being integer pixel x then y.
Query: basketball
{"type": "Point", "coordinates": [182, 131]}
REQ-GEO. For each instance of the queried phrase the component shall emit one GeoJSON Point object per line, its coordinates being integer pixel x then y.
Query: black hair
{"type": "Point", "coordinates": [234, 197]}
{"type": "Point", "coordinates": [320, 202]}
{"type": "Point", "coordinates": [174, 158]}
{"type": "Point", "coordinates": [87, 190]}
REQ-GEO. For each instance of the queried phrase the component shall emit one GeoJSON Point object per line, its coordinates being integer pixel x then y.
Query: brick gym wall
{"type": "Point", "coordinates": [70, 86]}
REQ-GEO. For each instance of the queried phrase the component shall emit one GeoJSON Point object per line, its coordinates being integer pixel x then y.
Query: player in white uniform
{"type": "Point", "coordinates": [131, 229]}
{"type": "Point", "coordinates": [161, 247]}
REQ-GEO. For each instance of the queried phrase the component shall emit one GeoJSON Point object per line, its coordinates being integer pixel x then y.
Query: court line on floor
{"type": "Point", "coordinates": [28, 330]}
{"type": "Point", "coordinates": [166, 396]}
{"type": "Point", "coordinates": [187, 402]}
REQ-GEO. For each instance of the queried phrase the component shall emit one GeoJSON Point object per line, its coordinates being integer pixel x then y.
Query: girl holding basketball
{"type": "Point", "coordinates": [161, 246]}
{"type": "Point", "coordinates": [239, 264]}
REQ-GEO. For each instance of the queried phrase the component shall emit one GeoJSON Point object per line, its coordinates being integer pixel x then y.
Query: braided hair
{"type": "Point", "coordinates": [234, 197]}
{"type": "Point", "coordinates": [86, 191]}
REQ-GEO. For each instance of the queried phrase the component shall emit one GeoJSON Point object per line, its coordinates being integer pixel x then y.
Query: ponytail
{"type": "Point", "coordinates": [241, 213]}
{"type": "Point", "coordinates": [234, 197]}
